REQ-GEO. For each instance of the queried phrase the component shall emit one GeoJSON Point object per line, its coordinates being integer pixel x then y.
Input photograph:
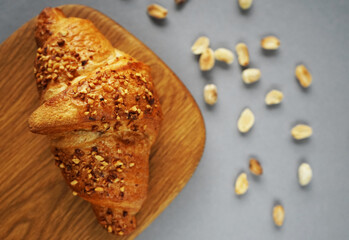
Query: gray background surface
{"type": "Point", "coordinates": [314, 32]}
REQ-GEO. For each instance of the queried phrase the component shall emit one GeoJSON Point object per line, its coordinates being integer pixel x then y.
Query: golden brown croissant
{"type": "Point", "coordinates": [101, 113]}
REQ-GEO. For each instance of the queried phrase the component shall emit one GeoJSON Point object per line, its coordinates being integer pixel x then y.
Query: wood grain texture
{"type": "Point", "coordinates": [35, 201]}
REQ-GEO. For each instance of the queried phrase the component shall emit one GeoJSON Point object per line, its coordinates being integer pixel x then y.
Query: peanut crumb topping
{"type": "Point", "coordinates": [55, 63]}
{"type": "Point", "coordinates": [76, 160]}
{"type": "Point", "coordinates": [73, 183]}
{"type": "Point", "coordinates": [99, 189]}
{"type": "Point", "coordinates": [64, 33]}
{"type": "Point", "coordinates": [112, 91]}
{"type": "Point", "coordinates": [118, 163]}
{"type": "Point", "coordinates": [116, 180]}
{"type": "Point", "coordinates": [99, 158]}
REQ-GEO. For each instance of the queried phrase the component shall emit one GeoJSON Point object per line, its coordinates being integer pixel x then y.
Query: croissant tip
{"type": "Point", "coordinates": [116, 221]}
{"type": "Point", "coordinates": [31, 124]}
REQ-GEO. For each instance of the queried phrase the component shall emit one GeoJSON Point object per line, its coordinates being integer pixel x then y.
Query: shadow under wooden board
{"type": "Point", "coordinates": [35, 202]}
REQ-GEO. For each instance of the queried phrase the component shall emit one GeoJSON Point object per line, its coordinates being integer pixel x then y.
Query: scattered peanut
{"type": "Point", "coordinates": [274, 97]}
{"type": "Point", "coordinates": [207, 60]}
{"type": "Point", "coordinates": [157, 11]}
{"type": "Point", "coordinates": [270, 43]}
{"type": "Point", "coordinates": [305, 174]}
{"type": "Point", "coordinates": [255, 167]}
{"type": "Point", "coordinates": [301, 131]}
{"type": "Point", "coordinates": [303, 75]}
{"type": "Point", "coordinates": [245, 4]}
{"type": "Point", "coordinates": [241, 184]}
{"type": "Point", "coordinates": [224, 55]}
{"type": "Point", "coordinates": [210, 94]}
{"type": "Point", "coordinates": [180, 1]}
{"type": "Point", "coordinates": [278, 215]}
{"type": "Point", "coordinates": [251, 75]}
{"type": "Point", "coordinates": [243, 55]}
{"type": "Point", "coordinates": [246, 120]}
{"type": "Point", "coordinates": [200, 45]}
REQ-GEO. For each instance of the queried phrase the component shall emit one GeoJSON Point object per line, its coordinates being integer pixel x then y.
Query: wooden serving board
{"type": "Point", "coordinates": [35, 202]}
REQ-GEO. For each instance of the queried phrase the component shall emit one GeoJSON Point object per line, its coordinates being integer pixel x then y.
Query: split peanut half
{"type": "Point", "coordinates": [224, 55]}
{"type": "Point", "coordinates": [301, 131]}
{"type": "Point", "coordinates": [243, 55]}
{"type": "Point", "coordinates": [245, 4]}
{"type": "Point", "coordinates": [303, 75]}
{"type": "Point", "coordinates": [274, 97]}
{"type": "Point", "coordinates": [157, 11]}
{"type": "Point", "coordinates": [270, 43]}
{"type": "Point", "coordinates": [241, 184]}
{"type": "Point", "coordinates": [207, 60]}
{"type": "Point", "coordinates": [305, 174]}
{"type": "Point", "coordinates": [200, 45]}
{"type": "Point", "coordinates": [251, 75]}
{"type": "Point", "coordinates": [246, 120]}
{"type": "Point", "coordinates": [278, 215]}
{"type": "Point", "coordinates": [180, 1]}
{"type": "Point", "coordinates": [255, 167]}
{"type": "Point", "coordinates": [210, 94]}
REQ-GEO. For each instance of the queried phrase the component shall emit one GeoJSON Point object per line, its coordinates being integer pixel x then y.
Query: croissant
{"type": "Point", "coordinates": [101, 113]}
